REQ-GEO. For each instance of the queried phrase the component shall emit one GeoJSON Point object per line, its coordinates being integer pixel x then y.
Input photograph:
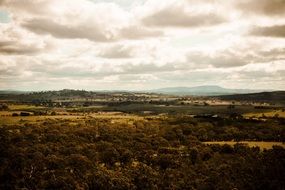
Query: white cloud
{"type": "Point", "coordinates": [140, 44]}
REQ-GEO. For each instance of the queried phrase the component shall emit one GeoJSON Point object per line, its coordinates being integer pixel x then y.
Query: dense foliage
{"type": "Point", "coordinates": [162, 153]}
{"type": "Point", "coordinates": [276, 97]}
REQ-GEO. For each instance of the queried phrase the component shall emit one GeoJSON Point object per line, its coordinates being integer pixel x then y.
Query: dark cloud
{"type": "Point", "coordinates": [266, 7]}
{"type": "Point", "coordinates": [58, 30]}
{"type": "Point", "coordinates": [178, 17]}
{"type": "Point", "coordinates": [274, 53]}
{"type": "Point", "coordinates": [269, 31]}
{"type": "Point", "coordinates": [91, 31]}
{"type": "Point", "coordinates": [15, 48]}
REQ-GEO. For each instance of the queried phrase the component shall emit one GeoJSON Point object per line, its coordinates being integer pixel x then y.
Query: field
{"type": "Point", "coordinates": [140, 144]}
{"type": "Point", "coordinates": [273, 113]}
{"type": "Point", "coordinates": [262, 145]}
{"type": "Point", "coordinates": [21, 107]}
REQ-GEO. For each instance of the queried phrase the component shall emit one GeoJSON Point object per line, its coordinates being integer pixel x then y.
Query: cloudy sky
{"type": "Point", "coordinates": [141, 44]}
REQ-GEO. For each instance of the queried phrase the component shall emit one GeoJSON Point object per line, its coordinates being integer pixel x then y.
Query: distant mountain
{"type": "Point", "coordinates": [276, 97]}
{"type": "Point", "coordinates": [209, 90]}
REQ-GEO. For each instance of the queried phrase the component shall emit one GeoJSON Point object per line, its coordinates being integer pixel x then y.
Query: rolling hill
{"type": "Point", "coordinates": [276, 97]}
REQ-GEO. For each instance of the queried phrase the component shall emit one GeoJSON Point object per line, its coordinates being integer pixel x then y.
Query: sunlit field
{"type": "Point", "coordinates": [274, 113]}
{"type": "Point", "coordinates": [261, 145]}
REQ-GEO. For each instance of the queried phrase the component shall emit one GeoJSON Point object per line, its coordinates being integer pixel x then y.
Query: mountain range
{"type": "Point", "coordinates": [207, 90]}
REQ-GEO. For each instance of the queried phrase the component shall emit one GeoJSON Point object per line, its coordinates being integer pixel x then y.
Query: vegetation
{"type": "Point", "coordinates": [277, 97]}
{"type": "Point", "coordinates": [73, 147]}
{"type": "Point", "coordinates": [161, 153]}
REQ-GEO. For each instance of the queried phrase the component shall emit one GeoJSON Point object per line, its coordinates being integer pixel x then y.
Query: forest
{"type": "Point", "coordinates": [164, 152]}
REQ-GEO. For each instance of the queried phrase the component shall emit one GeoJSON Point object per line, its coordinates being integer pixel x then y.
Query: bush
{"type": "Point", "coordinates": [24, 114]}
{"type": "Point", "coordinates": [15, 114]}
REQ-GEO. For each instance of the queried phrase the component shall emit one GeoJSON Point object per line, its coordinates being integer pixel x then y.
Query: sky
{"type": "Point", "coordinates": [141, 44]}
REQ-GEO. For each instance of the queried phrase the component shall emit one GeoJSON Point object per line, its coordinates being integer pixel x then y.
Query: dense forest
{"type": "Point", "coordinates": [156, 153]}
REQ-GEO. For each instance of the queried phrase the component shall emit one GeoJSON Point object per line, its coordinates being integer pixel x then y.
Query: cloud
{"type": "Point", "coordinates": [274, 53]}
{"type": "Point", "coordinates": [117, 51]}
{"type": "Point", "coordinates": [141, 44]}
{"type": "Point", "coordinates": [235, 57]}
{"type": "Point", "coordinates": [147, 68]}
{"type": "Point", "coordinates": [277, 31]}
{"type": "Point", "coordinates": [30, 71]}
{"type": "Point", "coordinates": [265, 7]}
{"type": "Point", "coordinates": [180, 15]}
{"type": "Point", "coordinates": [170, 18]}
{"type": "Point", "coordinates": [58, 30]}
{"type": "Point", "coordinates": [78, 19]}
{"type": "Point", "coordinates": [28, 6]}
{"type": "Point", "coordinates": [139, 32]}
{"type": "Point", "coordinates": [16, 41]}
{"type": "Point", "coordinates": [15, 66]}
{"type": "Point", "coordinates": [92, 32]}
{"type": "Point", "coordinates": [224, 59]}
{"type": "Point", "coordinates": [16, 48]}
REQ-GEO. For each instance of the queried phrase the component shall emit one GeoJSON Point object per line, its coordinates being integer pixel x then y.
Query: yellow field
{"type": "Point", "coordinates": [115, 117]}
{"type": "Point", "coordinates": [23, 107]}
{"type": "Point", "coordinates": [261, 144]}
{"type": "Point", "coordinates": [266, 114]}
{"type": "Point", "coordinates": [9, 120]}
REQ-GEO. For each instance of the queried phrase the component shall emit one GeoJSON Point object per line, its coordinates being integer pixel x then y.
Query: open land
{"type": "Point", "coordinates": [82, 140]}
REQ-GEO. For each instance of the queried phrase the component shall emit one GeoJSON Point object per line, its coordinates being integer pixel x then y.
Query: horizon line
{"type": "Point", "coordinates": [141, 90]}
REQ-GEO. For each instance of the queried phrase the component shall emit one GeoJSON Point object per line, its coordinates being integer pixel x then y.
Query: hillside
{"type": "Point", "coordinates": [276, 97]}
